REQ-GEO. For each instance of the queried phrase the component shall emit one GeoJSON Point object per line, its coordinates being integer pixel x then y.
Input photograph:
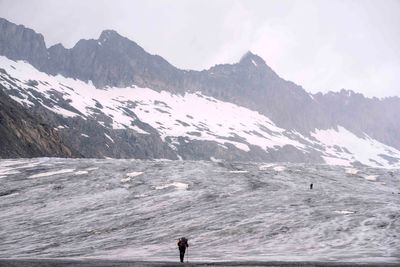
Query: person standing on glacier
{"type": "Point", "coordinates": [182, 245]}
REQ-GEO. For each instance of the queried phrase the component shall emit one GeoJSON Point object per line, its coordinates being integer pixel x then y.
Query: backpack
{"type": "Point", "coordinates": [182, 242]}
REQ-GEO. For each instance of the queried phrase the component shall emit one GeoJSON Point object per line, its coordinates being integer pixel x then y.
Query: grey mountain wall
{"type": "Point", "coordinates": [113, 60]}
{"type": "Point", "coordinates": [20, 43]}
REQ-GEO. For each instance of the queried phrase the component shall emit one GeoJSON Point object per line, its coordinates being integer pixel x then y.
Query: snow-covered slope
{"type": "Point", "coordinates": [342, 147]}
{"type": "Point", "coordinates": [188, 117]}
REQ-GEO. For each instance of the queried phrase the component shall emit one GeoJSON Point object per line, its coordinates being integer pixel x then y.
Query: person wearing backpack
{"type": "Point", "coordinates": [182, 245]}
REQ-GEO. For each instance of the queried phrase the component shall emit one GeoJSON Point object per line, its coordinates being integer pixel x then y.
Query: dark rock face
{"type": "Point", "coordinates": [20, 43]}
{"type": "Point", "coordinates": [124, 144]}
{"type": "Point", "coordinates": [24, 135]}
{"type": "Point", "coordinates": [112, 60]}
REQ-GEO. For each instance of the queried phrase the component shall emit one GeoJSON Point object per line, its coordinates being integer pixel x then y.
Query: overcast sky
{"type": "Point", "coordinates": [321, 45]}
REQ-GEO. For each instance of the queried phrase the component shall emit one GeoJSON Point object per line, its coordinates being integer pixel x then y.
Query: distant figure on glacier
{"type": "Point", "coordinates": [182, 245]}
{"type": "Point", "coordinates": [311, 186]}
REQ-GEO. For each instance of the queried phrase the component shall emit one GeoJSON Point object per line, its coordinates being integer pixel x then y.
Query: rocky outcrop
{"type": "Point", "coordinates": [25, 135]}
{"type": "Point", "coordinates": [20, 43]}
{"type": "Point", "coordinates": [112, 60]}
{"type": "Point", "coordinates": [102, 142]}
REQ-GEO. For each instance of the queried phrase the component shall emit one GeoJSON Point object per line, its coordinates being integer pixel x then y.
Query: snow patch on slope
{"type": "Point", "coordinates": [342, 147]}
{"type": "Point", "coordinates": [109, 137]}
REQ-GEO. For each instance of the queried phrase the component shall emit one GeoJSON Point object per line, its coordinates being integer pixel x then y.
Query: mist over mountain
{"type": "Point", "coordinates": [110, 98]}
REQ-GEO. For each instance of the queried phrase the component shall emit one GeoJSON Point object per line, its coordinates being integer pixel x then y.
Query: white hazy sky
{"type": "Point", "coordinates": [322, 45]}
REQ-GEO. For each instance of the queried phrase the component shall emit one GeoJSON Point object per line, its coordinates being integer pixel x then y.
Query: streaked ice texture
{"type": "Point", "coordinates": [131, 209]}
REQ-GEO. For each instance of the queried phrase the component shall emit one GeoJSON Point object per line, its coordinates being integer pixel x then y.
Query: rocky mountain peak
{"type": "Point", "coordinates": [343, 94]}
{"type": "Point", "coordinates": [107, 34]}
{"type": "Point", "coordinates": [111, 35]}
{"type": "Point", "coordinates": [253, 59]}
{"type": "Point", "coordinates": [57, 46]}
{"type": "Point", "coordinates": [253, 63]}
{"type": "Point", "coordinates": [249, 63]}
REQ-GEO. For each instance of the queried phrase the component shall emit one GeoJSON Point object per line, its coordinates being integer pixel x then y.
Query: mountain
{"type": "Point", "coordinates": [110, 98]}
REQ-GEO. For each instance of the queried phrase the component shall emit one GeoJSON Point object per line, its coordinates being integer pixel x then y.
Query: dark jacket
{"type": "Point", "coordinates": [183, 243]}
